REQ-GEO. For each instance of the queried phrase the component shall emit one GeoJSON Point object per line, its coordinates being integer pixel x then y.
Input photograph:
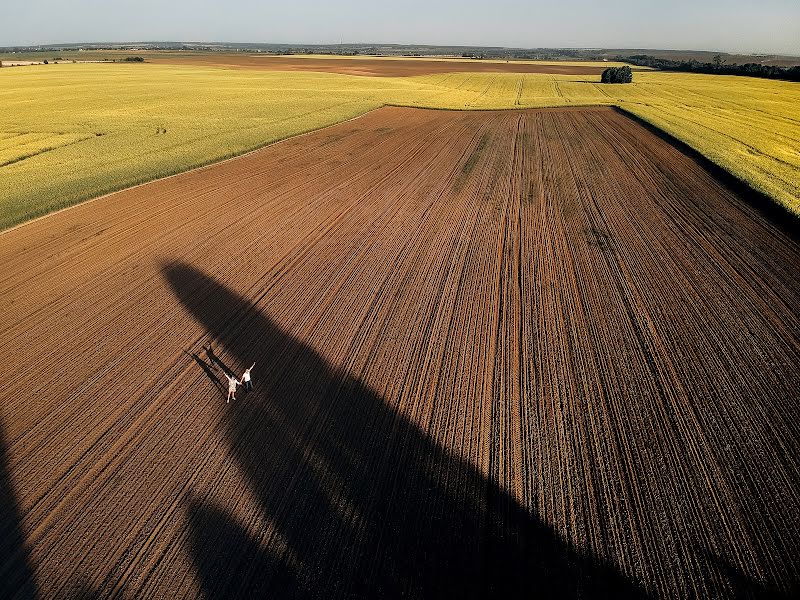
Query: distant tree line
{"type": "Point", "coordinates": [617, 75]}
{"type": "Point", "coordinates": [718, 67]}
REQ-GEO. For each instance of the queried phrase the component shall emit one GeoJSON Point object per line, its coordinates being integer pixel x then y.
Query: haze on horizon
{"type": "Point", "coordinates": [737, 26]}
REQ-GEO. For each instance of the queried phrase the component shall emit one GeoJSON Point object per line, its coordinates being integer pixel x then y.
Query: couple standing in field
{"type": "Point", "coordinates": [232, 381]}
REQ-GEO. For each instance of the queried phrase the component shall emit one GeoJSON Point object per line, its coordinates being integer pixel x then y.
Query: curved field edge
{"type": "Point", "coordinates": [301, 108]}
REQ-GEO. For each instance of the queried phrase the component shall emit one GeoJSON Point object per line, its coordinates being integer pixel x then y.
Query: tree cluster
{"type": "Point", "coordinates": [617, 75]}
{"type": "Point", "coordinates": [718, 67]}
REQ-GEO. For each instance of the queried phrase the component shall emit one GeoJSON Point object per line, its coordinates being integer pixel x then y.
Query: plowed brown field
{"type": "Point", "coordinates": [536, 353]}
{"type": "Point", "coordinates": [372, 67]}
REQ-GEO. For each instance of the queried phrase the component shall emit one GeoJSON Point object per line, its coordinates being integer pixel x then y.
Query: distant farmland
{"type": "Point", "coordinates": [512, 353]}
{"type": "Point", "coordinates": [71, 132]}
{"type": "Point", "coordinates": [380, 67]}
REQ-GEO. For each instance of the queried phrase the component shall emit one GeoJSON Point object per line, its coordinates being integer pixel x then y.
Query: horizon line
{"type": "Point", "coordinates": [393, 44]}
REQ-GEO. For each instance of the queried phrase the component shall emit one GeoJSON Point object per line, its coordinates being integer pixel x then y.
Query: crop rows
{"type": "Point", "coordinates": [134, 123]}
{"type": "Point", "coordinates": [496, 352]}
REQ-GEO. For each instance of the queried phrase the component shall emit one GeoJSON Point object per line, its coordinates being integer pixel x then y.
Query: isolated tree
{"type": "Point", "coordinates": [617, 75]}
{"type": "Point", "coordinates": [718, 60]}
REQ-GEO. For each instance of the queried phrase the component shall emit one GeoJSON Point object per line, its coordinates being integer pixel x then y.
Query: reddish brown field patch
{"type": "Point", "coordinates": [372, 67]}
{"type": "Point", "coordinates": [496, 353]}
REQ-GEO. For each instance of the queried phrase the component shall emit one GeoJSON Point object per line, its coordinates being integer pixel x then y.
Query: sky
{"type": "Point", "coordinates": [755, 26]}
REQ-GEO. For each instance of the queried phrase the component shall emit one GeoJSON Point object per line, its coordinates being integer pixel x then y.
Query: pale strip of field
{"type": "Point", "coordinates": [141, 122]}
{"type": "Point", "coordinates": [428, 58]}
{"type": "Point", "coordinates": [372, 66]}
{"type": "Point", "coordinates": [454, 59]}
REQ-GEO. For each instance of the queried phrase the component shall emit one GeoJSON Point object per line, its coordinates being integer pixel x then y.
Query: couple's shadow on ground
{"type": "Point", "coordinates": [364, 503]}
{"type": "Point", "coordinates": [209, 365]}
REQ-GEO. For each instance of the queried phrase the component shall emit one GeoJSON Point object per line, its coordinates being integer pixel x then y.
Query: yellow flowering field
{"type": "Point", "coordinates": [70, 132]}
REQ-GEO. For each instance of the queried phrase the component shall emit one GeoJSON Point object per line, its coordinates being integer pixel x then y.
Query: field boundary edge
{"type": "Point", "coordinates": [771, 208]}
{"type": "Point", "coordinates": [205, 165]}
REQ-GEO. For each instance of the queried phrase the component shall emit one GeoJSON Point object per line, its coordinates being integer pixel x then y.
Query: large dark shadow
{"type": "Point", "coordinates": [16, 575]}
{"type": "Point", "coordinates": [366, 504]}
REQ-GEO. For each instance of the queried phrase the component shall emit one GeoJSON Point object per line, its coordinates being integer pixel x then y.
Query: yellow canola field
{"type": "Point", "coordinates": [75, 131]}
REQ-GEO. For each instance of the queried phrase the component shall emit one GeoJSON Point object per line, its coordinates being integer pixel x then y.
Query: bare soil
{"type": "Point", "coordinates": [497, 353]}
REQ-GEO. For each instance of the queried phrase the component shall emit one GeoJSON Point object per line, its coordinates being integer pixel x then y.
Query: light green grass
{"type": "Point", "coordinates": [75, 131]}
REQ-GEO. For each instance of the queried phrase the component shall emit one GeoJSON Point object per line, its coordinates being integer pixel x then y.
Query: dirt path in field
{"type": "Point", "coordinates": [496, 353]}
{"type": "Point", "coordinates": [372, 67]}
